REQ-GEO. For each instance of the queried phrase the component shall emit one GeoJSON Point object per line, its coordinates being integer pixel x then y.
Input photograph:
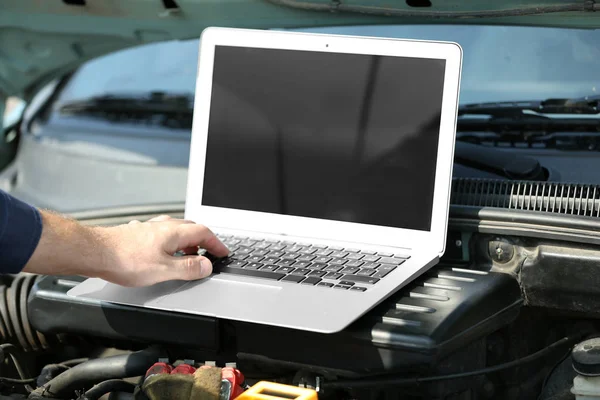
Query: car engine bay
{"type": "Point", "coordinates": [498, 318]}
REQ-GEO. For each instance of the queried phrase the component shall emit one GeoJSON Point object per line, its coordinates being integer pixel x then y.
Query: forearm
{"type": "Point", "coordinates": [67, 247]}
{"type": "Point", "coordinates": [134, 254]}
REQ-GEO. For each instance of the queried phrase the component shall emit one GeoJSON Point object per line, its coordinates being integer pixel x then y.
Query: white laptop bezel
{"type": "Point", "coordinates": [215, 217]}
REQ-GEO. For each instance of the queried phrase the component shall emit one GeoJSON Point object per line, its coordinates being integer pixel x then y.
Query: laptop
{"type": "Point", "coordinates": [324, 163]}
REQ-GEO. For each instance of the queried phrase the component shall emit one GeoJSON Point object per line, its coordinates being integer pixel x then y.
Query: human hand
{"type": "Point", "coordinates": [141, 253]}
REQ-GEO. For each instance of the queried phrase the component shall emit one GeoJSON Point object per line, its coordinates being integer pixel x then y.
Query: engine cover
{"type": "Point", "coordinates": [442, 311]}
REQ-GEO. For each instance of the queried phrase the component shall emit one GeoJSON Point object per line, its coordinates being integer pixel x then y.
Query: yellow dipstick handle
{"type": "Point", "coordinates": [264, 390]}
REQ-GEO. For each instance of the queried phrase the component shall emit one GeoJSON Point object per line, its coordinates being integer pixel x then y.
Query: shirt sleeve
{"type": "Point", "coordinates": [20, 232]}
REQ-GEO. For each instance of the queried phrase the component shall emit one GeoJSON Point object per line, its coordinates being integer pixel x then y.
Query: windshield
{"type": "Point", "coordinates": [500, 63]}
{"type": "Point", "coordinates": [139, 153]}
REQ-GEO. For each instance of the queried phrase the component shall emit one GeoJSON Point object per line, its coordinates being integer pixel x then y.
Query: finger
{"type": "Point", "coordinates": [191, 235]}
{"type": "Point", "coordinates": [160, 218]}
{"type": "Point", "coordinates": [188, 268]}
{"type": "Point", "coordinates": [135, 221]}
{"type": "Point", "coordinates": [174, 221]}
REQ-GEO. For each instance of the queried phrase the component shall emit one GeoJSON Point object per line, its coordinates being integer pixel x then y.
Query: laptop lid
{"type": "Point", "coordinates": [324, 136]}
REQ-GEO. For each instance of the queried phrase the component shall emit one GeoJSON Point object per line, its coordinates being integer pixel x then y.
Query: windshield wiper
{"type": "Point", "coordinates": [157, 108]}
{"type": "Point", "coordinates": [565, 124]}
{"type": "Point", "coordinates": [589, 105]}
{"type": "Point", "coordinates": [546, 116]}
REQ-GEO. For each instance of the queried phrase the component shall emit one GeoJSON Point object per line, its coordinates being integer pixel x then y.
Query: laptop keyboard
{"type": "Point", "coordinates": [306, 264]}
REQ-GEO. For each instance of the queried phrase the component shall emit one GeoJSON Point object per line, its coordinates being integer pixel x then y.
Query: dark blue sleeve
{"type": "Point", "coordinates": [20, 232]}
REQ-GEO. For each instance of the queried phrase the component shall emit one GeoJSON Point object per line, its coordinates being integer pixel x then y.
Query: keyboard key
{"type": "Point", "coordinates": [371, 265]}
{"type": "Point", "coordinates": [295, 249]}
{"type": "Point", "coordinates": [386, 267]}
{"type": "Point", "coordinates": [254, 265]}
{"type": "Point", "coordinates": [301, 264]}
{"type": "Point", "coordinates": [358, 288]}
{"type": "Point", "coordinates": [342, 287]}
{"type": "Point", "coordinates": [352, 250]}
{"type": "Point", "coordinates": [317, 273]}
{"type": "Point", "coordinates": [259, 253]}
{"type": "Point", "coordinates": [333, 268]}
{"type": "Point", "coordinates": [275, 254]}
{"type": "Point", "coordinates": [382, 254]}
{"type": "Point", "coordinates": [370, 258]}
{"type": "Point", "coordinates": [327, 284]}
{"type": "Point", "coordinates": [222, 261]}
{"type": "Point", "coordinates": [336, 248]}
{"type": "Point", "coordinates": [311, 280]}
{"type": "Point", "coordinates": [338, 261]}
{"type": "Point", "coordinates": [286, 263]}
{"type": "Point", "coordinates": [277, 247]}
{"type": "Point", "coordinates": [290, 256]}
{"type": "Point", "coordinates": [254, 258]}
{"type": "Point", "coordinates": [360, 279]}
{"type": "Point", "coordinates": [269, 268]}
{"type": "Point", "coordinates": [306, 257]}
{"type": "Point", "coordinates": [293, 278]}
{"type": "Point", "coordinates": [402, 256]}
{"type": "Point", "coordinates": [334, 275]}
{"type": "Point", "coordinates": [339, 254]}
{"type": "Point", "coordinates": [368, 252]}
{"type": "Point", "coordinates": [249, 272]}
{"type": "Point", "coordinates": [322, 259]}
{"type": "Point", "coordinates": [262, 245]}
{"type": "Point", "coordinates": [383, 271]}
{"type": "Point", "coordinates": [302, 271]}
{"type": "Point", "coordinates": [354, 256]}
{"type": "Point", "coordinates": [285, 270]}
{"type": "Point", "coordinates": [347, 283]}
{"type": "Point", "coordinates": [248, 242]}
{"type": "Point", "coordinates": [391, 260]}
{"type": "Point", "coordinates": [243, 250]}
{"type": "Point", "coordinates": [271, 260]}
{"type": "Point", "coordinates": [238, 264]}
{"type": "Point", "coordinates": [308, 250]}
{"type": "Point", "coordinates": [350, 270]}
{"type": "Point", "coordinates": [366, 272]}
{"type": "Point", "coordinates": [323, 252]}
{"type": "Point", "coordinates": [317, 266]}
{"type": "Point", "coordinates": [354, 263]}
{"type": "Point", "coordinates": [319, 246]}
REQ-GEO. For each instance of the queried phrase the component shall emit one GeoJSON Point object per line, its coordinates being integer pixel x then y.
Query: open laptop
{"type": "Point", "coordinates": [324, 162]}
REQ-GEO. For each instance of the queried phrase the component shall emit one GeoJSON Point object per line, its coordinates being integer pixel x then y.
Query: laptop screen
{"type": "Point", "coordinates": [343, 137]}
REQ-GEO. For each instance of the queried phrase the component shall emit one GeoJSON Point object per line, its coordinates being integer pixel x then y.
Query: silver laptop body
{"type": "Point", "coordinates": [324, 162]}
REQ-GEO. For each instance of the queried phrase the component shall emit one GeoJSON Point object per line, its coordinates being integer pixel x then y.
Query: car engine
{"type": "Point", "coordinates": [511, 312]}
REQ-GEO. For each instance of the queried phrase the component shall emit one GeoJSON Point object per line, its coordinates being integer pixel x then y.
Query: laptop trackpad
{"type": "Point", "coordinates": [219, 295]}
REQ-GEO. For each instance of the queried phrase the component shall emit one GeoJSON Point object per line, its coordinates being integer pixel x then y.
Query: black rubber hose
{"type": "Point", "coordinates": [14, 320]}
{"type": "Point", "coordinates": [85, 375]}
{"type": "Point", "coordinates": [112, 385]}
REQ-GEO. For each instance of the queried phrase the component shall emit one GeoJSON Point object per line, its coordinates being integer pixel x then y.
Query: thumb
{"type": "Point", "coordinates": [189, 268]}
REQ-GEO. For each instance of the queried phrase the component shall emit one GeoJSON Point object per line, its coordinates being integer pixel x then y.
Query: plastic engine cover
{"type": "Point", "coordinates": [443, 310]}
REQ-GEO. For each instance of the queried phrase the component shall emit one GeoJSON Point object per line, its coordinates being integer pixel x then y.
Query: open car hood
{"type": "Point", "coordinates": [40, 40]}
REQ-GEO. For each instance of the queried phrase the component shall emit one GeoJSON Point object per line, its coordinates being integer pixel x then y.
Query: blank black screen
{"type": "Point", "coordinates": [325, 135]}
